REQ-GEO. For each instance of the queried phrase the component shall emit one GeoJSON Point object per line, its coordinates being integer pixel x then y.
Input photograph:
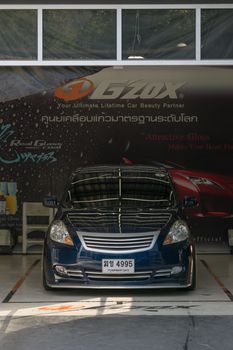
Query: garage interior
{"type": "Point", "coordinates": [46, 133]}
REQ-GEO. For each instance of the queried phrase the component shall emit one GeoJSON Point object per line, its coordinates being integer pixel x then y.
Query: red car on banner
{"type": "Point", "coordinates": [213, 192]}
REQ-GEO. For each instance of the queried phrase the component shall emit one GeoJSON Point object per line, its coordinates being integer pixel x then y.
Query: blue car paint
{"type": "Point", "coordinates": [159, 257]}
{"type": "Point", "coordinates": [66, 256]}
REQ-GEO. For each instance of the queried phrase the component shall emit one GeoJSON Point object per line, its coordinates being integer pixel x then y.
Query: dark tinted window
{"type": "Point", "coordinates": [156, 34]}
{"type": "Point", "coordinates": [217, 34]}
{"type": "Point", "coordinates": [79, 34]}
{"type": "Point", "coordinates": [18, 34]}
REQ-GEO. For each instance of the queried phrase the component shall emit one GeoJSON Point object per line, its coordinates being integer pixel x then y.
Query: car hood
{"type": "Point", "coordinates": [119, 221]}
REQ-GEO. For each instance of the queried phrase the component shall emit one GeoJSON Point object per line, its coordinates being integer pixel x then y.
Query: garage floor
{"type": "Point", "coordinates": [33, 318]}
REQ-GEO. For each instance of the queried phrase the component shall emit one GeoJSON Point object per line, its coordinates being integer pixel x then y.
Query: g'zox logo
{"type": "Point", "coordinates": [75, 90]}
{"type": "Point", "coordinates": [118, 89]}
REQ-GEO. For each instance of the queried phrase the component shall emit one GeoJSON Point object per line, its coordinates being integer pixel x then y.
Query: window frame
{"type": "Point", "coordinates": [118, 61]}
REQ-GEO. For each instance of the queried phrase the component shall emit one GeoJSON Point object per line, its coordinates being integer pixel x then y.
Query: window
{"type": "Point", "coordinates": [158, 34]}
{"type": "Point", "coordinates": [79, 34]}
{"type": "Point", "coordinates": [115, 35]}
{"type": "Point", "coordinates": [18, 34]}
{"type": "Point", "coordinates": [217, 34]}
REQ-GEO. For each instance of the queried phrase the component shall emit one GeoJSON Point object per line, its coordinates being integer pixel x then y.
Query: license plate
{"type": "Point", "coordinates": [118, 266]}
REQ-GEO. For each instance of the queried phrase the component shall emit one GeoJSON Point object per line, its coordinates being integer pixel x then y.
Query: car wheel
{"type": "Point", "coordinates": [194, 277]}
{"type": "Point", "coordinates": [45, 284]}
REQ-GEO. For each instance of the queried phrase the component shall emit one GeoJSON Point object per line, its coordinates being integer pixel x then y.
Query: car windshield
{"type": "Point", "coordinates": [120, 188]}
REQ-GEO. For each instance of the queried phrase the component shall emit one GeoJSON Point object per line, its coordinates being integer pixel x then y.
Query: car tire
{"type": "Point", "coordinates": [45, 284]}
{"type": "Point", "coordinates": [194, 278]}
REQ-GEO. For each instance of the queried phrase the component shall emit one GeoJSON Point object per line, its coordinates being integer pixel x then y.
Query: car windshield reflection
{"type": "Point", "coordinates": [120, 189]}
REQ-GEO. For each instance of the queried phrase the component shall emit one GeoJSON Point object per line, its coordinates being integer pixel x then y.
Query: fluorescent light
{"type": "Point", "coordinates": [136, 57]}
{"type": "Point", "coordinates": [182, 45]}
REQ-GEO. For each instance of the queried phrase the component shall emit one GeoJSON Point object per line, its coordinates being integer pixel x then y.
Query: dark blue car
{"type": "Point", "coordinates": [119, 227]}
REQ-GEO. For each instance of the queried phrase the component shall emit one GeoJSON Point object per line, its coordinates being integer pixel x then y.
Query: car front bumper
{"type": "Point", "coordinates": [172, 267]}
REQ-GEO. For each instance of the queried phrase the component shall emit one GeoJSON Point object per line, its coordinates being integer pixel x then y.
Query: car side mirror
{"type": "Point", "coordinates": [190, 202]}
{"type": "Point", "coordinates": [50, 202]}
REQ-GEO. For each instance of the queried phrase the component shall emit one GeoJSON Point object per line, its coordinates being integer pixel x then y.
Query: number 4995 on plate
{"type": "Point", "coordinates": [118, 266]}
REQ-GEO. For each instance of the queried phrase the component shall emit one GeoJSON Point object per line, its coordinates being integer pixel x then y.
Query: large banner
{"type": "Point", "coordinates": [53, 120]}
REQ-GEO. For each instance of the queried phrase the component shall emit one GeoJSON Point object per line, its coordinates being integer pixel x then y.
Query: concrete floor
{"type": "Point", "coordinates": [33, 318]}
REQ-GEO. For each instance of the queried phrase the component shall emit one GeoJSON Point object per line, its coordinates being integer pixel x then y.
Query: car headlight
{"type": "Point", "coordinates": [178, 232]}
{"type": "Point", "coordinates": [202, 181]}
{"type": "Point", "coordinates": [59, 233]}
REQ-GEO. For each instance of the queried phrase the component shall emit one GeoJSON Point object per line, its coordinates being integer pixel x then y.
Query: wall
{"type": "Point", "coordinates": [53, 120]}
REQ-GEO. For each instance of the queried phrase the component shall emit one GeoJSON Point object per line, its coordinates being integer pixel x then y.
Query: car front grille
{"type": "Point", "coordinates": [94, 275]}
{"type": "Point", "coordinates": [98, 275]}
{"type": "Point", "coordinates": [118, 243]}
{"type": "Point", "coordinates": [85, 275]}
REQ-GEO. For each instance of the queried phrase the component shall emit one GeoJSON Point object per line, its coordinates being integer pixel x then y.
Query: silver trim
{"type": "Point", "coordinates": [122, 240]}
{"type": "Point", "coordinates": [164, 271]}
{"type": "Point", "coordinates": [69, 273]}
{"type": "Point", "coordinates": [73, 271]}
{"type": "Point", "coordinates": [105, 247]}
{"type": "Point", "coordinates": [134, 273]}
{"type": "Point", "coordinates": [75, 275]}
{"type": "Point", "coordinates": [155, 286]}
{"type": "Point", "coordinates": [108, 248]}
{"type": "Point", "coordinates": [116, 277]}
